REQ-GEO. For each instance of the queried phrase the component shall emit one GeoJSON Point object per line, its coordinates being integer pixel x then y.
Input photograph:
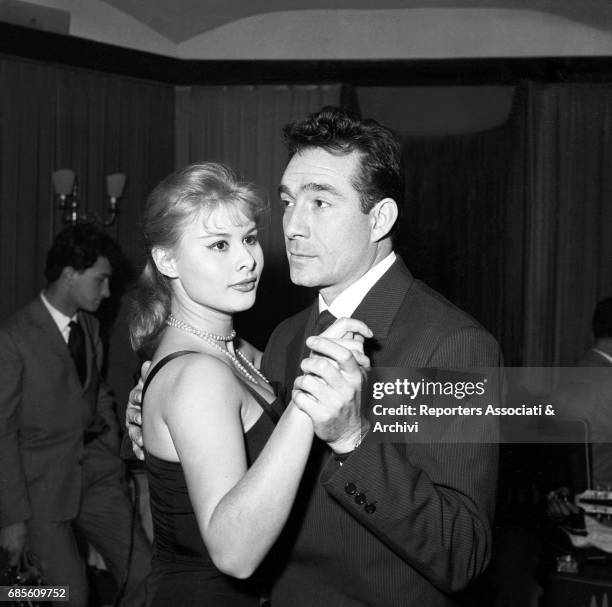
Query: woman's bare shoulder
{"type": "Point", "coordinates": [198, 380]}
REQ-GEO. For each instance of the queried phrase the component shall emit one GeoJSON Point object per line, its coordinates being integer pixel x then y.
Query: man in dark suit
{"type": "Point", "coordinates": [595, 406]}
{"type": "Point", "coordinates": [600, 353]}
{"type": "Point", "coordinates": [588, 396]}
{"type": "Point", "coordinates": [374, 523]}
{"type": "Point", "coordinates": [58, 429]}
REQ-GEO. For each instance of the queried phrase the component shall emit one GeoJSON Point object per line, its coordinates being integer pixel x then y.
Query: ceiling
{"type": "Point", "coordinates": [181, 20]}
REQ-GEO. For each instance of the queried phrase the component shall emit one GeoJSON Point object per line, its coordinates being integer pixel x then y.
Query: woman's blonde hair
{"type": "Point", "coordinates": [172, 205]}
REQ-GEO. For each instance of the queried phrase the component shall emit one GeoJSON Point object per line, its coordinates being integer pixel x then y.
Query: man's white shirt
{"type": "Point", "coordinates": [59, 318]}
{"type": "Point", "coordinates": [346, 303]}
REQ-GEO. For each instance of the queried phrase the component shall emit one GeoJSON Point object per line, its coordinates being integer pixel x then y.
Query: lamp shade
{"type": "Point", "coordinates": [63, 180]}
{"type": "Point", "coordinates": [115, 184]}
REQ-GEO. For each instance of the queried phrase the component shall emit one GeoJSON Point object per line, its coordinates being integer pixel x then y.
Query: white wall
{"type": "Point", "coordinates": [101, 22]}
{"type": "Point", "coordinates": [398, 34]}
{"type": "Point", "coordinates": [352, 34]}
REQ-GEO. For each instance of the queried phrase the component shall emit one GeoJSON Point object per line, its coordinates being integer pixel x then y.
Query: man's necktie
{"type": "Point", "coordinates": [324, 320]}
{"type": "Point", "coordinates": [76, 345]}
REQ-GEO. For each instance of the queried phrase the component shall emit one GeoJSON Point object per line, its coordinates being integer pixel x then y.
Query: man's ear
{"type": "Point", "coordinates": [164, 261]}
{"type": "Point", "coordinates": [68, 273]}
{"type": "Point", "coordinates": [383, 215]}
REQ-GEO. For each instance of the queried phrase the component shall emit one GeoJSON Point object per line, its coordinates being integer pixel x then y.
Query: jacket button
{"type": "Point", "coordinates": [360, 499]}
{"type": "Point", "coordinates": [370, 508]}
{"type": "Point", "coordinates": [350, 488]}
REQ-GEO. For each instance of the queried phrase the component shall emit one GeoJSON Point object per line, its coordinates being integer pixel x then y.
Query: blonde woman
{"type": "Point", "coordinates": [224, 460]}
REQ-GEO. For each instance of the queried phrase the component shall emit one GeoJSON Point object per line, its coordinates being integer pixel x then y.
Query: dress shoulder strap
{"type": "Point", "coordinates": [161, 363]}
{"type": "Point", "coordinates": [267, 407]}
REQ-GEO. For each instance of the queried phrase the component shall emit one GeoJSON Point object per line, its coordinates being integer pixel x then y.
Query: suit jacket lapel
{"type": "Point", "coordinates": [378, 310]}
{"type": "Point", "coordinates": [380, 306]}
{"type": "Point", "coordinates": [48, 331]}
{"type": "Point", "coordinates": [43, 322]}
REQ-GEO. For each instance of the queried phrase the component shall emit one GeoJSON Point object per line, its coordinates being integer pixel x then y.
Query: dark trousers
{"type": "Point", "coordinates": [105, 520]}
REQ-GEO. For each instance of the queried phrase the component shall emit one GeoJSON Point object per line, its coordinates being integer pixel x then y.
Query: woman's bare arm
{"type": "Point", "coordinates": [240, 511]}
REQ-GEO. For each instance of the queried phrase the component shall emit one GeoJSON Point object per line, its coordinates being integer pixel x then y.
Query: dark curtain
{"type": "Point", "coordinates": [568, 216]}
{"type": "Point", "coordinates": [512, 224]}
{"type": "Point", "coordinates": [55, 117]}
{"type": "Point", "coordinates": [241, 126]}
{"type": "Point", "coordinates": [453, 232]}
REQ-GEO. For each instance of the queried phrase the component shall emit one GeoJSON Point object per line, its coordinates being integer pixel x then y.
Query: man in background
{"type": "Point", "coordinates": [598, 408]}
{"type": "Point", "coordinates": [61, 476]}
{"type": "Point", "coordinates": [588, 396]}
{"type": "Point", "coordinates": [600, 353]}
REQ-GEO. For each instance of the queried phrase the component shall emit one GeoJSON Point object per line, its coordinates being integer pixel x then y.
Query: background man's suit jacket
{"type": "Point", "coordinates": [588, 396]}
{"type": "Point", "coordinates": [44, 414]}
{"type": "Point", "coordinates": [591, 358]}
{"type": "Point", "coordinates": [430, 532]}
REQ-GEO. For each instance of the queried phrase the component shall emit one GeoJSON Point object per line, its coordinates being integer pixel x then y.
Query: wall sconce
{"type": "Point", "coordinates": [66, 188]}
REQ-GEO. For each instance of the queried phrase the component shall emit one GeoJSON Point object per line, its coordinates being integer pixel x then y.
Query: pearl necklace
{"type": "Point", "coordinates": [173, 321]}
{"type": "Point", "coordinates": [213, 340]}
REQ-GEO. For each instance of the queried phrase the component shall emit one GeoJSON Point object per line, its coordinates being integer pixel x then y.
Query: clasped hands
{"type": "Point", "coordinates": [328, 391]}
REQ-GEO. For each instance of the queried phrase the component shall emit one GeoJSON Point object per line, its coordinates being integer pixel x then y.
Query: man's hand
{"type": "Point", "coordinates": [133, 413]}
{"type": "Point", "coordinates": [330, 390]}
{"type": "Point", "coordinates": [559, 506]}
{"type": "Point", "coordinates": [350, 333]}
{"type": "Point", "coordinates": [13, 540]}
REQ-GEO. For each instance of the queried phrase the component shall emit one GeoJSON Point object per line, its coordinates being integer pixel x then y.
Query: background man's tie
{"type": "Point", "coordinates": [76, 345]}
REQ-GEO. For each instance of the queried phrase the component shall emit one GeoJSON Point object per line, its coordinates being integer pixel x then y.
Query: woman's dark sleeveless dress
{"type": "Point", "coordinates": [183, 574]}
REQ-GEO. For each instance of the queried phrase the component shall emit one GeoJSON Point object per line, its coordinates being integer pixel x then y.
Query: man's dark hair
{"type": "Point", "coordinates": [339, 131]}
{"type": "Point", "coordinates": [602, 319]}
{"type": "Point", "coordinates": [79, 247]}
